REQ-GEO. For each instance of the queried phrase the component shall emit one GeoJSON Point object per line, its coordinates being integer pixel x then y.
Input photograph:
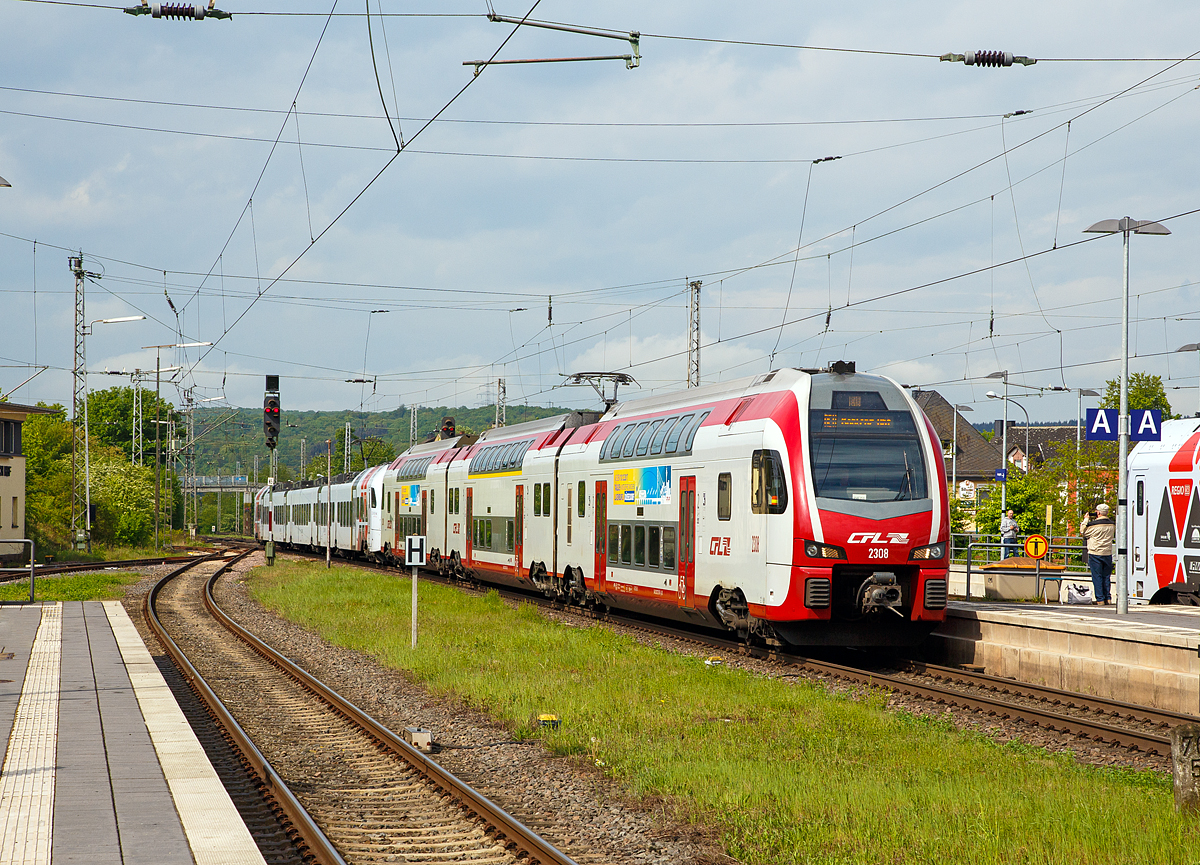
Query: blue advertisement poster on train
{"type": "Point", "coordinates": [648, 485]}
{"type": "Point", "coordinates": [410, 495]}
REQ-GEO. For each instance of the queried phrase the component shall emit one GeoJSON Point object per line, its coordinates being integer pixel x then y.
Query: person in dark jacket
{"type": "Point", "coordinates": [1100, 532]}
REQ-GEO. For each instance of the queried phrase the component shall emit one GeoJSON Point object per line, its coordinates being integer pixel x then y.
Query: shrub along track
{"type": "Point", "coordinates": [375, 798]}
{"type": "Point", "coordinates": [1103, 722]}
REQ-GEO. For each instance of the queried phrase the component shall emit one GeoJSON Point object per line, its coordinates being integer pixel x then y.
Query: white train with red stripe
{"type": "Point", "coordinates": [799, 507]}
{"type": "Point", "coordinates": [1164, 516]}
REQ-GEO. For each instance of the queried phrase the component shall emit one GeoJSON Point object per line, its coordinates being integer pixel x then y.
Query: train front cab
{"type": "Point", "coordinates": [868, 559]}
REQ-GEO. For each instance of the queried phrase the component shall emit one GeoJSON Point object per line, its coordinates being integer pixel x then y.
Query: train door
{"type": "Point", "coordinates": [469, 527]}
{"type": "Point", "coordinates": [1141, 550]}
{"type": "Point", "coordinates": [518, 532]}
{"type": "Point", "coordinates": [396, 514]}
{"type": "Point", "coordinates": [601, 533]}
{"type": "Point", "coordinates": [687, 540]}
{"type": "Point", "coordinates": [424, 511]}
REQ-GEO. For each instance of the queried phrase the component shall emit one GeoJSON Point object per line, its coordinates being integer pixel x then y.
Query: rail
{"type": "Point", "coordinates": [319, 848]}
{"type": "Point", "coordinates": [528, 843]}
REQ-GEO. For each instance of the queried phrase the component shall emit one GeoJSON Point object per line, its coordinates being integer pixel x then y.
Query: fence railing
{"type": "Point", "coordinates": [1067, 550]}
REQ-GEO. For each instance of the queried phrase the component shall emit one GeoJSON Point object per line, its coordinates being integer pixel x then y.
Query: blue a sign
{"type": "Point", "coordinates": [1145, 425]}
{"type": "Point", "coordinates": [1002, 475]}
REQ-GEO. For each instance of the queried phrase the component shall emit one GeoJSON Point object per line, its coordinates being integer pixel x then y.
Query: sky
{"type": "Point", "coordinates": [238, 182]}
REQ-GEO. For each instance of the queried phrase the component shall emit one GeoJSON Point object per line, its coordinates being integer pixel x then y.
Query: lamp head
{"type": "Point", "coordinates": [991, 394]}
{"type": "Point", "coordinates": [999, 374]}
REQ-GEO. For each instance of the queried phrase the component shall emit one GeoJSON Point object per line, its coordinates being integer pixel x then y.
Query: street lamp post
{"type": "Point", "coordinates": [87, 463]}
{"type": "Point", "coordinates": [993, 395]}
{"type": "Point", "coordinates": [954, 454]}
{"type": "Point", "coordinates": [1193, 346]}
{"type": "Point", "coordinates": [1003, 442]}
{"type": "Point", "coordinates": [1125, 226]}
{"type": "Point", "coordinates": [158, 425]}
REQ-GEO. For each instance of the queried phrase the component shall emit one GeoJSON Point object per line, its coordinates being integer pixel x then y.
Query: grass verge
{"type": "Point", "coordinates": [790, 773]}
{"type": "Point", "coordinates": [98, 586]}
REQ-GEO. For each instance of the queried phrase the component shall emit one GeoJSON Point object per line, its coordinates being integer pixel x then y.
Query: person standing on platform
{"type": "Point", "coordinates": [1008, 534]}
{"type": "Point", "coordinates": [1099, 532]}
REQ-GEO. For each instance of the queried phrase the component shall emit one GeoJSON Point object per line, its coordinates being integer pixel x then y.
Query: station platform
{"type": "Point", "coordinates": [1148, 657]}
{"type": "Point", "coordinates": [100, 765]}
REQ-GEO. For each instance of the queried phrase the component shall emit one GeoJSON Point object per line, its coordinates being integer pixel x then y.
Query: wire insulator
{"type": "Point", "coordinates": [177, 10]}
{"type": "Point", "coordinates": [988, 58]}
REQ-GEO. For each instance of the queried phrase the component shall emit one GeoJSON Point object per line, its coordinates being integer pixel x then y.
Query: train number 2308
{"type": "Point", "coordinates": [877, 553]}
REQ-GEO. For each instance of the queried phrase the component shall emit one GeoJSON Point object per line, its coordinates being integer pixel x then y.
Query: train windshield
{"type": "Point", "coordinates": [867, 456]}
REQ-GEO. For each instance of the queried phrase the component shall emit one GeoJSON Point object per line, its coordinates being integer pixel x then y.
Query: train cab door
{"type": "Point", "coordinates": [424, 511]}
{"type": "Point", "coordinates": [1140, 553]}
{"type": "Point", "coordinates": [687, 540]}
{"type": "Point", "coordinates": [601, 534]}
{"type": "Point", "coordinates": [519, 532]}
{"type": "Point", "coordinates": [469, 527]}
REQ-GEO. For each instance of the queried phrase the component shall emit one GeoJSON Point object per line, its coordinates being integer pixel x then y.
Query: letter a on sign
{"type": "Point", "coordinates": [1102, 424]}
{"type": "Point", "coordinates": [1147, 425]}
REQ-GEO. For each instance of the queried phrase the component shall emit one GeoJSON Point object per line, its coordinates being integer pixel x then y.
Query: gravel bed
{"type": "Point", "coordinates": [567, 801]}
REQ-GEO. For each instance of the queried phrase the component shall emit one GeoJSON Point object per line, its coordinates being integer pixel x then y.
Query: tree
{"type": "Point", "coordinates": [110, 417]}
{"type": "Point", "coordinates": [46, 443]}
{"type": "Point", "coordinates": [1145, 391]}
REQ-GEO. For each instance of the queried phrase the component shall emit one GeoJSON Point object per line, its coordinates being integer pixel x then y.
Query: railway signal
{"type": "Point", "coordinates": [271, 412]}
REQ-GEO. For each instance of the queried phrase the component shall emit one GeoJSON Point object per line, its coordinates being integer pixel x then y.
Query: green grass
{"type": "Point", "coordinates": [99, 586]}
{"type": "Point", "coordinates": [788, 772]}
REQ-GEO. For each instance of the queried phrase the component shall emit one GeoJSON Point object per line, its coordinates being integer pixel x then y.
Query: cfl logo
{"type": "Point", "coordinates": [877, 538]}
{"type": "Point", "coordinates": [718, 547]}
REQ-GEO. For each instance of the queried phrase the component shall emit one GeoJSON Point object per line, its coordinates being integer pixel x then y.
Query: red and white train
{"type": "Point", "coordinates": [828, 522]}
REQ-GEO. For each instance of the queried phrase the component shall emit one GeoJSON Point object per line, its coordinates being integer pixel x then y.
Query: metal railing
{"type": "Point", "coordinates": [1064, 550]}
{"type": "Point", "coordinates": [32, 559]}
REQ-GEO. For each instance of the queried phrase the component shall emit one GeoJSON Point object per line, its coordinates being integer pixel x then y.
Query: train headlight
{"type": "Point", "coordinates": [933, 551]}
{"type": "Point", "coordinates": [815, 550]}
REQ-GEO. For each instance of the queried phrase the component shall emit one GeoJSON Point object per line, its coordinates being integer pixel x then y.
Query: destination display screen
{"type": "Point", "coordinates": [835, 421]}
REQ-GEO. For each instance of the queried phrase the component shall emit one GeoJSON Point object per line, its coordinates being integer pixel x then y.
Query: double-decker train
{"type": "Point", "coordinates": [828, 522]}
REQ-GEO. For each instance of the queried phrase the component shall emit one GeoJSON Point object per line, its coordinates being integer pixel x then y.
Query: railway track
{"type": "Point", "coordinates": [8, 575]}
{"type": "Point", "coordinates": [343, 787]}
{"type": "Point", "coordinates": [1111, 722]}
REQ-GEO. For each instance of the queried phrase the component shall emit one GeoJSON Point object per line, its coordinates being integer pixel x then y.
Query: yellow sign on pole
{"type": "Point", "coordinates": [1036, 546]}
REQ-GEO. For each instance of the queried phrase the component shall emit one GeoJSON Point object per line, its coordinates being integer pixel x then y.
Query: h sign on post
{"type": "Point", "coordinates": [414, 551]}
{"type": "Point", "coordinates": [1145, 425]}
{"type": "Point", "coordinates": [414, 557]}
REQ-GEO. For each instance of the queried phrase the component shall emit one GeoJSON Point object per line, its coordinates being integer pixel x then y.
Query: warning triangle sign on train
{"type": "Point", "coordinates": [1191, 534]}
{"type": "Point", "coordinates": [1164, 534]}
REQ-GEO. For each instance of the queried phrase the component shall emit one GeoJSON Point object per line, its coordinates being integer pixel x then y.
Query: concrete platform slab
{"type": "Point", "coordinates": [1149, 656]}
{"type": "Point", "coordinates": [100, 765]}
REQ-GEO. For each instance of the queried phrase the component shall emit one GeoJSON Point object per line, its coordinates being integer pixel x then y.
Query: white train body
{"type": "Point", "coordinates": [701, 506]}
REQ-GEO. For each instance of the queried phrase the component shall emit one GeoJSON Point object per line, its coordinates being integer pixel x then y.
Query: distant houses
{"type": "Point", "coordinates": [978, 458]}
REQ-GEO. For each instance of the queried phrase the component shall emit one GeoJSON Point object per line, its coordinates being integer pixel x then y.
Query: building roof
{"type": "Point", "coordinates": [16, 408]}
{"type": "Point", "coordinates": [1042, 441]}
{"type": "Point", "coordinates": [978, 458]}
